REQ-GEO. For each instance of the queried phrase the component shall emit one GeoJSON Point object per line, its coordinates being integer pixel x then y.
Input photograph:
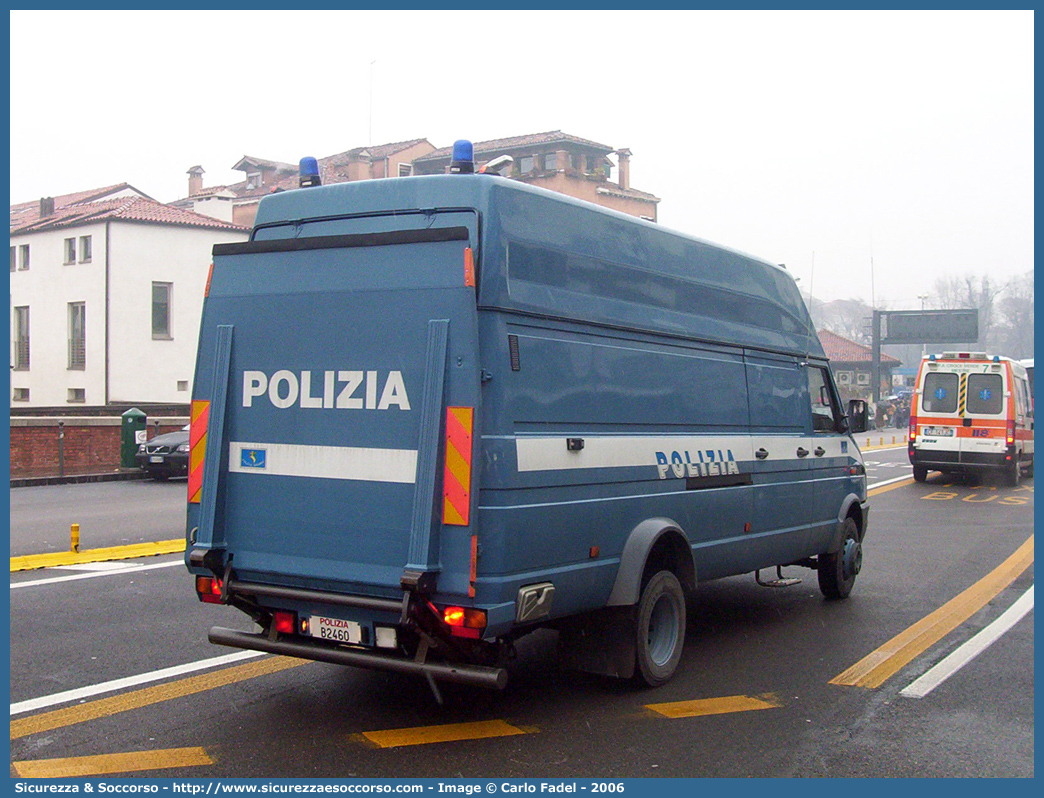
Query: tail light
{"type": "Point", "coordinates": [284, 622]}
{"type": "Point", "coordinates": [209, 589]}
{"type": "Point", "coordinates": [913, 427]}
{"type": "Point", "coordinates": [464, 621]}
{"type": "Point", "coordinates": [1011, 433]}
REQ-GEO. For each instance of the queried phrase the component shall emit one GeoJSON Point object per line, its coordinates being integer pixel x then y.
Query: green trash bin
{"type": "Point", "coordinates": [132, 434]}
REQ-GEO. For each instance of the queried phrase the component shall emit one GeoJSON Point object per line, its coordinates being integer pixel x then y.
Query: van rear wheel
{"type": "Point", "coordinates": [838, 571]}
{"type": "Point", "coordinates": [1014, 472]}
{"type": "Point", "coordinates": [660, 629]}
{"type": "Point", "coordinates": [920, 473]}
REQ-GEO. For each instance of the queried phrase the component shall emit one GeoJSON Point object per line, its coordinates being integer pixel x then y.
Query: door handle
{"type": "Point", "coordinates": [820, 451]}
{"type": "Point", "coordinates": [802, 452]}
{"type": "Point", "coordinates": [761, 454]}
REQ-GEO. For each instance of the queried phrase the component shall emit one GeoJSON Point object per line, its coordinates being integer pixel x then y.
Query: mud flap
{"type": "Point", "coordinates": [601, 642]}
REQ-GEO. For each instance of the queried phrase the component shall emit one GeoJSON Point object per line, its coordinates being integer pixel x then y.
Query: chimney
{"type": "Point", "coordinates": [195, 180]}
{"type": "Point", "coordinates": [46, 206]}
{"type": "Point", "coordinates": [625, 167]}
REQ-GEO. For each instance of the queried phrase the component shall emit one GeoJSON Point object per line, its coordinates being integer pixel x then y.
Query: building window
{"type": "Point", "coordinates": [85, 249]}
{"type": "Point", "coordinates": [182, 385]}
{"type": "Point", "coordinates": [23, 254]}
{"type": "Point", "coordinates": [14, 258]}
{"type": "Point", "coordinates": [253, 180]}
{"type": "Point", "coordinates": [70, 250]}
{"type": "Point", "coordinates": [550, 161]}
{"type": "Point", "coordinates": [161, 310]}
{"type": "Point", "coordinates": [21, 338]}
{"type": "Point", "coordinates": [77, 395]}
{"type": "Point", "coordinates": [77, 336]}
{"type": "Point", "coordinates": [20, 395]}
{"type": "Point", "coordinates": [405, 169]}
{"type": "Point", "coordinates": [525, 164]}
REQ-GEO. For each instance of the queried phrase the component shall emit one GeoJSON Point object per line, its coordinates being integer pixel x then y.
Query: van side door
{"type": "Point", "coordinates": [831, 452]}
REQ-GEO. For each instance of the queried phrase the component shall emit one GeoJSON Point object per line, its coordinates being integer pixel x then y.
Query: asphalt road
{"type": "Point", "coordinates": [763, 658]}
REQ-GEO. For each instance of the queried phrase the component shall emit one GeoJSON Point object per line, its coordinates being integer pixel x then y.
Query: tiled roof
{"type": "Point", "coordinates": [631, 193]}
{"type": "Point", "coordinates": [842, 350]}
{"type": "Point", "coordinates": [376, 152]}
{"type": "Point", "coordinates": [531, 140]}
{"type": "Point", "coordinates": [24, 213]}
{"type": "Point", "coordinates": [127, 209]}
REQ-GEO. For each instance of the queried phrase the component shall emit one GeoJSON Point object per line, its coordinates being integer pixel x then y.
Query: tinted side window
{"type": "Point", "coordinates": [940, 393]}
{"type": "Point", "coordinates": [985, 393]}
{"type": "Point", "coordinates": [778, 395]}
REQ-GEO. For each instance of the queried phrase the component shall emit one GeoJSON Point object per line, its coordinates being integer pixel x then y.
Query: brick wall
{"type": "Point", "coordinates": [87, 446]}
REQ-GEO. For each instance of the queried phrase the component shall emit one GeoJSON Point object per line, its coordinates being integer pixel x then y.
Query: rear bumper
{"type": "Point", "coordinates": [473, 675]}
{"type": "Point", "coordinates": [959, 461]}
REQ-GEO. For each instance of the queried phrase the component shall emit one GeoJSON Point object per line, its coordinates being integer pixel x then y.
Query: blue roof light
{"type": "Point", "coordinates": [308, 172]}
{"type": "Point", "coordinates": [463, 158]}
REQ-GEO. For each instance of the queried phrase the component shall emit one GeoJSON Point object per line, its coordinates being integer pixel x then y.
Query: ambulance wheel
{"type": "Point", "coordinates": [920, 473]}
{"type": "Point", "coordinates": [660, 629]}
{"type": "Point", "coordinates": [838, 571]}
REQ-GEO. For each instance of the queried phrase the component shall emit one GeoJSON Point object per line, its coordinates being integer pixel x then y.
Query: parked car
{"type": "Point", "coordinates": [166, 455]}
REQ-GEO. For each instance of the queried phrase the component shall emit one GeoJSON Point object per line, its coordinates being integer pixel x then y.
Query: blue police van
{"type": "Point", "coordinates": [433, 414]}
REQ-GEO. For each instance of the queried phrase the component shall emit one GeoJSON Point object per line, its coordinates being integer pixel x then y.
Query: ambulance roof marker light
{"type": "Point", "coordinates": [463, 162]}
{"type": "Point", "coordinates": [308, 172]}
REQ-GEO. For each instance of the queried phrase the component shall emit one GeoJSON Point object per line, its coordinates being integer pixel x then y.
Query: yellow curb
{"type": "Point", "coordinates": [32, 561]}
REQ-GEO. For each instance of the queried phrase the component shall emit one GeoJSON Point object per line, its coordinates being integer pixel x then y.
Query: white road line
{"type": "Point", "coordinates": [970, 649]}
{"type": "Point", "coordinates": [889, 482]}
{"type": "Point", "coordinates": [129, 681]}
{"type": "Point", "coordinates": [96, 574]}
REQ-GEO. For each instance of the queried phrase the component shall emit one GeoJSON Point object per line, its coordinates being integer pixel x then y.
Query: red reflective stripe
{"type": "Point", "coordinates": [456, 483]}
{"type": "Point", "coordinates": [197, 449]}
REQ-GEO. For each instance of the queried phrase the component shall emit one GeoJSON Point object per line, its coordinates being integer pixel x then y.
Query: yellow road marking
{"type": "Point", "coordinates": [133, 551]}
{"type": "Point", "coordinates": [131, 762]}
{"type": "Point", "coordinates": [104, 707]}
{"type": "Point", "coordinates": [880, 665]}
{"type": "Point", "coordinates": [714, 706]}
{"type": "Point", "coordinates": [893, 486]}
{"type": "Point", "coordinates": [445, 733]}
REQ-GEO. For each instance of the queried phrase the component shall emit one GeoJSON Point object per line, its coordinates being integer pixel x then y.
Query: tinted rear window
{"type": "Point", "coordinates": [985, 394]}
{"type": "Point", "coordinates": [940, 393]}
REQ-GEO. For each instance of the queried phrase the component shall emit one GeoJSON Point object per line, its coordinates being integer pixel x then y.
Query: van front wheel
{"type": "Point", "coordinates": [838, 571]}
{"type": "Point", "coordinates": [660, 629]}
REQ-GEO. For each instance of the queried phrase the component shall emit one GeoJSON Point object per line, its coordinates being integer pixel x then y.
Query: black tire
{"type": "Point", "coordinates": [1029, 470]}
{"type": "Point", "coordinates": [660, 629]}
{"type": "Point", "coordinates": [1013, 474]}
{"type": "Point", "coordinates": [920, 473]}
{"type": "Point", "coordinates": [837, 572]}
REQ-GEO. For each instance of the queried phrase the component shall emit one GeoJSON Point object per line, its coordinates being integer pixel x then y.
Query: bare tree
{"type": "Point", "coordinates": [1013, 332]}
{"type": "Point", "coordinates": [970, 291]}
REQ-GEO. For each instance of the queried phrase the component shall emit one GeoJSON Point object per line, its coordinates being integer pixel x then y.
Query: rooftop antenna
{"type": "Point", "coordinates": [369, 142]}
{"type": "Point", "coordinates": [811, 301]}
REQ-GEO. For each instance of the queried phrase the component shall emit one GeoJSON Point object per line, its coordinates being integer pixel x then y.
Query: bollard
{"type": "Point", "coordinates": [74, 534]}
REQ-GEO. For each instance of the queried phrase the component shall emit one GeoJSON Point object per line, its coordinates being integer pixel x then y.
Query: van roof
{"type": "Point", "coordinates": [577, 260]}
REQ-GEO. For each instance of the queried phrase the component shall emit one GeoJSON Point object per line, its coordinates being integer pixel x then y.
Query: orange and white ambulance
{"type": "Point", "coordinates": [972, 412]}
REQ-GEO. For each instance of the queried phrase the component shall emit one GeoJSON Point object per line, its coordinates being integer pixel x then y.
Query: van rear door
{"type": "Point", "coordinates": [336, 359]}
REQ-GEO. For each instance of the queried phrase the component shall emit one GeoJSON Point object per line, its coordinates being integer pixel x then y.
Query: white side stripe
{"type": "Point", "coordinates": [323, 462]}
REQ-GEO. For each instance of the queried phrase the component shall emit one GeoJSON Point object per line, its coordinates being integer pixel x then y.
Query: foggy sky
{"type": "Point", "coordinates": [823, 140]}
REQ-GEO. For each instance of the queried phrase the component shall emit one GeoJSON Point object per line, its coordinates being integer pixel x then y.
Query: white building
{"type": "Point", "coordinates": [106, 294]}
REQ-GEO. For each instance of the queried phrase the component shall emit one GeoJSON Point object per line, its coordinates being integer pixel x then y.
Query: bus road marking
{"type": "Point", "coordinates": [970, 649]}
{"type": "Point", "coordinates": [715, 706]}
{"type": "Point", "coordinates": [108, 764]}
{"type": "Point", "coordinates": [444, 733]}
{"type": "Point", "coordinates": [879, 665]}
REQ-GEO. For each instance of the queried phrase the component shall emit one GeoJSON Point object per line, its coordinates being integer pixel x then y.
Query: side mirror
{"type": "Point", "coordinates": [859, 416]}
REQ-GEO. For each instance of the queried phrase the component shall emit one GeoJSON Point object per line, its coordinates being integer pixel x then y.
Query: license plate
{"type": "Point", "coordinates": [335, 629]}
{"type": "Point", "coordinates": [155, 459]}
{"type": "Point", "coordinates": [939, 432]}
